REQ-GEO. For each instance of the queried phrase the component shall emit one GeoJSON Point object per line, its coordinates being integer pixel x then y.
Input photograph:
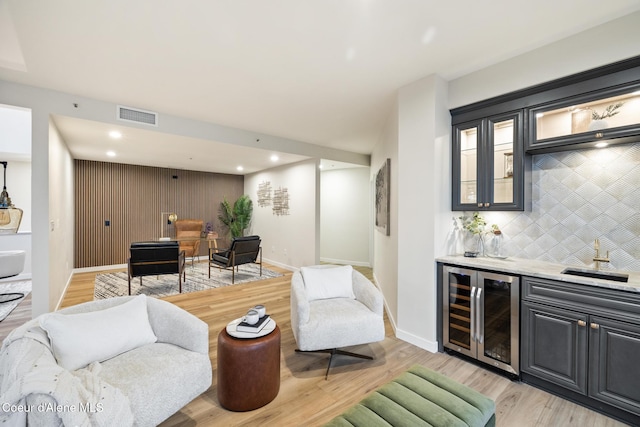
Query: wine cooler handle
{"type": "Point", "coordinates": [472, 313]}
{"type": "Point", "coordinates": [479, 316]}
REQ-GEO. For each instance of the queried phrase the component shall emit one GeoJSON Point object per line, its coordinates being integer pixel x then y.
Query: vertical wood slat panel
{"type": "Point", "coordinates": [131, 197]}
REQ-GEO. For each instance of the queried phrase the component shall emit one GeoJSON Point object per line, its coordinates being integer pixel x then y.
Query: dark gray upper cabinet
{"type": "Point", "coordinates": [553, 116]}
{"type": "Point", "coordinates": [489, 168]}
{"type": "Point", "coordinates": [609, 116]}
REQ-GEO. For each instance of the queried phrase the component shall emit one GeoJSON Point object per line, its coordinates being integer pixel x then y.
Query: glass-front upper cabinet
{"type": "Point", "coordinates": [609, 116]}
{"type": "Point", "coordinates": [488, 164]}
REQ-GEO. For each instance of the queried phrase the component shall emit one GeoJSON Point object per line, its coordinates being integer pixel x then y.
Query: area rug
{"type": "Point", "coordinates": [12, 301]}
{"type": "Point", "coordinates": [111, 285]}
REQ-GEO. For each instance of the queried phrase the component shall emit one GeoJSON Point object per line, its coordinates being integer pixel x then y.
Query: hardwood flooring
{"type": "Point", "coordinates": [307, 399]}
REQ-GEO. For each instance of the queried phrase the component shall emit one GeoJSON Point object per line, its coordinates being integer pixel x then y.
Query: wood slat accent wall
{"type": "Point", "coordinates": [131, 198]}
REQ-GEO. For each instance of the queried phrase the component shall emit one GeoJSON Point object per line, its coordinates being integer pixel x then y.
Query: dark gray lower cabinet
{"type": "Point", "coordinates": [614, 374]}
{"type": "Point", "coordinates": [583, 343]}
{"type": "Point", "coordinates": [554, 345]}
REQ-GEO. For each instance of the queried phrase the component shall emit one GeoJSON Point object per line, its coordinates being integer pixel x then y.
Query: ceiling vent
{"type": "Point", "coordinates": [138, 116]}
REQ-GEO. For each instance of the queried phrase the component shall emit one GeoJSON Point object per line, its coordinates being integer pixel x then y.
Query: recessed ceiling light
{"type": "Point", "coordinates": [115, 134]}
{"type": "Point", "coordinates": [111, 153]}
{"type": "Point", "coordinates": [274, 158]}
{"type": "Point", "coordinates": [601, 144]}
{"type": "Point", "coordinates": [239, 168]}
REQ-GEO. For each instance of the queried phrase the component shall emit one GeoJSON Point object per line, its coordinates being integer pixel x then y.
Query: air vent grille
{"type": "Point", "coordinates": [138, 116]}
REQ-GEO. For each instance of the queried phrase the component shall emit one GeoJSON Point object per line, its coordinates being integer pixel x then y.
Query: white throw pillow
{"type": "Point", "coordinates": [80, 339]}
{"type": "Point", "coordinates": [324, 282]}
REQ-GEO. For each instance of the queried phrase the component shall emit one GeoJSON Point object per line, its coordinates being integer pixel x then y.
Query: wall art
{"type": "Point", "coordinates": [383, 198]}
{"type": "Point", "coordinates": [280, 201]}
{"type": "Point", "coordinates": [264, 194]}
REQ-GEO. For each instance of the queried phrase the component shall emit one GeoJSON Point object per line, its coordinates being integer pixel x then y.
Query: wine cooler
{"type": "Point", "coordinates": [481, 316]}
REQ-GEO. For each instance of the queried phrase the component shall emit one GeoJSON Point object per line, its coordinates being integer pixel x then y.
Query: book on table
{"type": "Point", "coordinates": [245, 327]}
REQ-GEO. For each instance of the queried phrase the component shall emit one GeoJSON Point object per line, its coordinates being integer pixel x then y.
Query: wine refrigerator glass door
{"type": "Point", "coordinates": [458, 303]}
{"type": "Point", "coordinates": [497, 320]}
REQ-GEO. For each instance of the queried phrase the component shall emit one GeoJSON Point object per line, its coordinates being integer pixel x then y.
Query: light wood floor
{"type": "Point", "coordinates": [307, 399]}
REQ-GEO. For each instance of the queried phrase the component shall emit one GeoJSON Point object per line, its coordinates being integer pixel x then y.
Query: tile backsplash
{"type": "Point", "coordinates": [578, 196]}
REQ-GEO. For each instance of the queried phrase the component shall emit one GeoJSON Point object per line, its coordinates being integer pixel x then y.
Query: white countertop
{"type": "Point", "coordinates": [543, 269]}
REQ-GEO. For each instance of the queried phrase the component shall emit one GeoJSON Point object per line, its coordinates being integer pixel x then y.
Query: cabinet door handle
{"type": "Point", "coordinates": [486, 205]}
{"type": "Point", "coordinates": [595, 326]}
{"type": "Point", "coordinates": [582, 323]}
{"type": "Point", "coordinates": [472, 313]}
{"type": "Point", "coordinates": [480, 316]}
{"type": "Point", "coordinates": [479, 205]}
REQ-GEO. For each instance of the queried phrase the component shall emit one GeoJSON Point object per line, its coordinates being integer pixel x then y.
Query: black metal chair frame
{"type": "Point", "coordinates": [228, 261]}
{"type": "Point", "coordinates": [158, 267]}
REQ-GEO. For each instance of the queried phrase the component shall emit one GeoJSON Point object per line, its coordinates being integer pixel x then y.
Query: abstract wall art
{"type": "Point", "coordinates": [383, 198]}
{"type": "Point", "coordinates": [264, 194]}
{"type": "Point", "coordinates": [281, 201]}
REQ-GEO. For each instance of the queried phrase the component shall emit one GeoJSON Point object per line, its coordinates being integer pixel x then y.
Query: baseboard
{"type": "Point", "coordinates": [430, 346]}
{"type": "Point", "coordinates": [279, 264]}
{"type": "Point", "coordinates": [98, 268]}
{"type": "Point", "coordinates": [345, 262]}
{"type": "Point", "coordinates": [403, 335]}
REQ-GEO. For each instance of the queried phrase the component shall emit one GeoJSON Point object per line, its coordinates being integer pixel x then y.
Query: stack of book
{"type": "Point", "coordinates": [245, 327]}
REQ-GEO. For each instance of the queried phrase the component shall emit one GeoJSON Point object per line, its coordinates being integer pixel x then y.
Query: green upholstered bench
{"type": "Point", "coordinates": [420, 397]}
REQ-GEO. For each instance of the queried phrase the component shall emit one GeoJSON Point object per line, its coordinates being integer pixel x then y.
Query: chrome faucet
{"type": "Point", "coordinates": [598, 259]}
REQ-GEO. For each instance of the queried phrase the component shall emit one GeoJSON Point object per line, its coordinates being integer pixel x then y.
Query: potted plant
{"type": "Point", "coordinates": [475, 228]}
{"type": "Point", "coordinates": [238, 217]}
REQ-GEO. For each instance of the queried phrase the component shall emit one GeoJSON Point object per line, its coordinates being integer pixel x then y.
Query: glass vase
{"type": "Point", "coordinates": [473, 245]}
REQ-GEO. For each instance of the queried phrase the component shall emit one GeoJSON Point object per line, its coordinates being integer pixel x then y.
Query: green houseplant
{"type": "Point", "coordinates": [237, 217]}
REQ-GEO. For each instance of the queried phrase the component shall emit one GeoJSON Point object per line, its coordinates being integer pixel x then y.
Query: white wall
{"type": "Point", "coordinates": [345, 216]}
{"type": "Point", "coordinates": [614, 41]}
{"type": "Point", "coordinates": [52, 250]}
{"type": "Point", "coordinates": [290, 241]}
{"type": "Point", "coordinates": [423, 126]}
{"type": "Point", "coordinates": [385, 248]}
{"type": "Point", "coordinates": [61, 216]}
{"type": "Point", "coordinates": [15, 132]}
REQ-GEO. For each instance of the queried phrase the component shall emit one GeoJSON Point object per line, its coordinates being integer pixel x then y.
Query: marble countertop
{"type": "Point", "coordinates": [543, 269]}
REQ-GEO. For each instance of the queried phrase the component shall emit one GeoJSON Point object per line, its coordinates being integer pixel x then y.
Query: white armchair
{"type": "Point", "coordinates": [42, 366]}
{"type": "Point", "coordinates": [334, 307]}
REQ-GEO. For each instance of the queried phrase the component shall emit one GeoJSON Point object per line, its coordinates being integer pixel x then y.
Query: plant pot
{"type": "Point", "coordinates": [598, 124]}
{"type": "Point", "coordinates": [473, 245]}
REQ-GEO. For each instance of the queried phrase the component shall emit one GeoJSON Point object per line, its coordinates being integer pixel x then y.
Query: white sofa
{"type": "Point", "coordinates": [142, 386]}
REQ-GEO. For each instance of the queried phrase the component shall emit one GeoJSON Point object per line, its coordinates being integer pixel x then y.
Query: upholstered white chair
{"type": "Point", "coordinates": [118, 361]}
{"type": "Point", "coordinates": [334, 307]}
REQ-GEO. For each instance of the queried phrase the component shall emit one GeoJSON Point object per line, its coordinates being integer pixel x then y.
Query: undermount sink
{"type": "Point", "coordinates": [595, 274]}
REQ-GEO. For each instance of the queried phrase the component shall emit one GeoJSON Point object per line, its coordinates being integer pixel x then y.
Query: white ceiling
{"type": "Point", "coordinates": [323, 72]}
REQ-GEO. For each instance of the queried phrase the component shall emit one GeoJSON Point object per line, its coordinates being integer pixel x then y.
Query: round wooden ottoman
{"type": "Point", "coordinates": [248, 370]}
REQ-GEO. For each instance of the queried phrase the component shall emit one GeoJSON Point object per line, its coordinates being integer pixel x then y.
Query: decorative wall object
{"type": "Point", "coordinates": [383, 198]}
{"type": "Point", "coordinates": [264, 194]}
{"type": "Point", "coordinates": [281, 201]}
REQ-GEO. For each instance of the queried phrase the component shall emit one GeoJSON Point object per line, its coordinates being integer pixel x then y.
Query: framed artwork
{"type": "Point", "coordinates": [383, 198]}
